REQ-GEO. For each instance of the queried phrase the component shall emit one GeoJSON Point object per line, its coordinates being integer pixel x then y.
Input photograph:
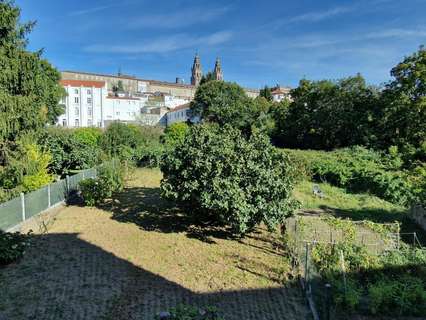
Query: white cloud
{"type": "Point", "coordinates": [320, 15]}
{"type": "Point", "coordinates": [91, 10]}
{"type": "Point", "coordinates": [165, 44]}
{"type": "Point", "coordinates": [178, 19]}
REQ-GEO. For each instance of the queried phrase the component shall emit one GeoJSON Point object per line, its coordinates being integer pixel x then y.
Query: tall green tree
{"type": "Point", "coordinates": [209, 76]}
{"type": "Point", "coordinates": [403, 116]}
{"type": "Point", "coordinates": [29, 86]}
{"type": "Point", "coordinates": [330, 114]}
{"type": "Point", "coordinates": [224, 103]}
{"type": "Point", "coordinates": [266, 92]}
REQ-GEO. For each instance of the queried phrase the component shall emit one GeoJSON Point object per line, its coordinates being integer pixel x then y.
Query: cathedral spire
{"type": "Point", "coordinates": [218, 73]}
{"type": "Point", "coordinates": [197, 73]}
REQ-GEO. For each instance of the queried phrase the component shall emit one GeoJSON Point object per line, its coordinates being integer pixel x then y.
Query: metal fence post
{"type": "Point", "coordinates": [23, 206]}
{"type": "Point", "coordinates": [68, 183]}
{"type": "Point", "coordinates": [49, 203]}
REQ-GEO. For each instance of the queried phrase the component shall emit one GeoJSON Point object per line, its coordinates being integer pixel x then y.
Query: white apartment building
{"type": "Point", "coordinates": [88, 104]}
{"type": "Point", "coordinates": [181, 113]}
{"type": "Point", "coordinates": [280, 93]}
{"type": "Point", "coordinates": [84, 103]}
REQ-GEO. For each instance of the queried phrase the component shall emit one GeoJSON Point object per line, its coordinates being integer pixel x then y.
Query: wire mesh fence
{"type": "Point", "coordinates": [19, 209]}
{"type": "Point", "coordinates": [303, 239]}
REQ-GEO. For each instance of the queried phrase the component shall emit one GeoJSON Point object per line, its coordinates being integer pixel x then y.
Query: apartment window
{"type": "Point", "coordinates": [89, 100]}
{"type": "Point", "coordinates": [90, 111]}
{"type": "Point", "coordinates": [64, 122]}
{"type": "Point", "coordinates": [89, 91]}
{"type": "Point", "coordinates": [76, 91]}
{"type": "Point", "coordinates": [76, 112]}
{"type": "Point", "coordinates": [117, 113]}
{"type": "Point", "coordinates": [76, 100]}
{"type": "Point", "coordinates": [89, 122]}
{"type": "Point", "coordinates": [63, 100]}
{"type": "Point", "coordinates": [77, 123]}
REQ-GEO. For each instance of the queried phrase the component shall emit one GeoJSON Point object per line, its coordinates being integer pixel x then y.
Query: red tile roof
{"type": "Point", "coordinates": [83, 83]}
{"type": "Point", "coordinates": [181, 107]}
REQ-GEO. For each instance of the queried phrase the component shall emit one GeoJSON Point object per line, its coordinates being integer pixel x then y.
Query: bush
{"type": "Point", "coordinates": [233, 180]}
{"type": "Point", "coordinates": [122, 141]}
{"type": "Point", "coordinates": [184, 312]}
{"type": "Point", "coordinates": [12, 246]}
{"type": "Point", "coordinates": [88, 136]}
{"type": "Point", "coordinates": [359, 170]}
{"type": "Point", "coordinates": [175, 133]}
{"type": "Point", "coordinates": [405, 295]}
{"type": "Point", "coordinates": [110, 179]}
{"type": "Point", "coordinates": [71, 149]}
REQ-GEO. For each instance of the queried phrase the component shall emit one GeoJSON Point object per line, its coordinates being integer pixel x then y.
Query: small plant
{"type": "Point", "coordinates": [12, 246]}
{"type": "Point", "coordinates": [185, 312]}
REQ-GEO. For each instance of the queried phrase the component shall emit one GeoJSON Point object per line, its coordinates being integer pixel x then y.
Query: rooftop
{"type": "Point", "coordinates": [83, 83]}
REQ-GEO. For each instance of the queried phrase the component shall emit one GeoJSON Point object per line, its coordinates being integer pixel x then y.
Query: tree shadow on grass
{"type": "Point", "coordinates": [65, 277]}
{"type": "Point", "coordinates": [147, 209]}
{"type": "Point", "coordinates": [383, 216]}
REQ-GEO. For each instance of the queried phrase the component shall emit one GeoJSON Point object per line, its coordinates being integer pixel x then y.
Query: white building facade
{"type": "Point", "coordinates": [84, 104]}
{"type": "Point", "coordinates": [89, 104]}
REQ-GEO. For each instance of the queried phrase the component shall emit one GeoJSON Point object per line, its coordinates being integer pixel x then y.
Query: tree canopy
{"type": "Point", "coordinates": [224, 176]}
{"type": "Point", "coordinates": [29, 85]}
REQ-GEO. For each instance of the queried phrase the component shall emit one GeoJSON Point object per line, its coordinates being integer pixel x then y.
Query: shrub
{"type": "Point", "coordinates": [405, 295]}
{"type": "Point", "coordinates": [175, 133]}
{"type": "Point", "coordinates": [233, 180]}
{"type": "Point", "coordinates": [12, 246]}
{"type": "Point", "coordinates": [110, 179]}
{"type": "Point", "coordinates": [185, 312]}
{"type": "Point", "coordinates": [122, 141]}
{"type": "Point", "coordinates": [359, 170]}
{"type": "Point", "coordinates": [71, 149]}
{"type": "Point", "coordinates": [88, 136]}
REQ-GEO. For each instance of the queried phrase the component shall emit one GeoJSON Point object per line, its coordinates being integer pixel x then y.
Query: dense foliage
{"type": "Point", "coordinates": [219, 173]}
{"type": "Point", "coordinates": [362, 170]}
{"type": "Point", "coordinates": [110, 179]}
{"type": "Point", "coordinates": [186, 312]}
{"type": "Point", "coordinates": [330, 114]}
{"type": "Point", "coordinates": [175, 133]}
{"type": "Point", "coordinates": [12, 246]}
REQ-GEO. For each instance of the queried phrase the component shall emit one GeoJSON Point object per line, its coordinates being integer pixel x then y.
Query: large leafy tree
{"type": "Point", "coordinates": [224, 176]}
{"type": "Point", "coordinates": [225, 103]}
{"type": "Point", "coordinates": [29, 86]}
{"type": "Point", "coordinates": [403, 116]}
{"type": "Point", "coordinates": [330, 114]}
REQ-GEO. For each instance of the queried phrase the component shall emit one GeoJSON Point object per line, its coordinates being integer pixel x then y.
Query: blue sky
{"type": "Point", "coordinates": [259, 42]}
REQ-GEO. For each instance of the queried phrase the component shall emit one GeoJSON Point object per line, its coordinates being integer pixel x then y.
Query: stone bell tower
{"type": "Point", "coordinates": [197, 73]}
{"type": "Point", "coordinates": [218, 73]}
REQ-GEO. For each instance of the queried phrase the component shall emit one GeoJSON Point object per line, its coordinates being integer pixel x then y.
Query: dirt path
{"type": "Point", "coordinates": [139, 255]}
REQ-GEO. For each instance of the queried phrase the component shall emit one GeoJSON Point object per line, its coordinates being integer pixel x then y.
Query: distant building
{"type": "Point", "coordinates": [84, 103]}
{"type": "Point", "coordinates": [196, 71]}
{"type": "Point", "coordinates": [181, 113]}
{"type": "Point", "coordinates": [137, 86]}
{"type": "Point", "coordinates": [280, 93]}
{"type": "Point", "coordinates": [218, 73]}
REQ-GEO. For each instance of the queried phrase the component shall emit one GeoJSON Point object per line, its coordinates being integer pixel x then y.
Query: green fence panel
{"type": "Point", "coordinates": [36, 202]}
{"type": "Point", "coordinates": [58, 192]}
{"type": "Point", "coordinates": [10, 213]}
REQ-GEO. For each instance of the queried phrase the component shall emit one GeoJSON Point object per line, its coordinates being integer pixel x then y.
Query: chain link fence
{"type": "Point", "coordinates": [19, 209]}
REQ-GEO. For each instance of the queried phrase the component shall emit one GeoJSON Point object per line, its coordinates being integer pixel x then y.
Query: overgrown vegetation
{"type": "Point", "coordinates": [12, 246]}
{"type": "Point", "coordinates": [110, 179]}
{"type": "Point", "coordinates": [186, 312]}
{"type": "Point", "coordinates": [362, 170]}
{"type": "Point", "coordinates": [222, 176]}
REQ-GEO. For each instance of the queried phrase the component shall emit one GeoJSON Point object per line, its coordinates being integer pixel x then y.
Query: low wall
{"type": "Point", "coordinates": [418, 214]}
